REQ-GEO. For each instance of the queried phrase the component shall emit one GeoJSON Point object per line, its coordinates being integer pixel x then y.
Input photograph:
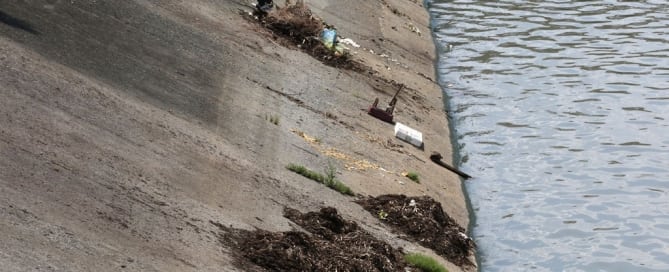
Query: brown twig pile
{"type": "Point", "coordinates": [296, 23]}
{"type": "Point", "coordinates": [332, 244]}
{"type": "Point", "coordinates": [423, 220]}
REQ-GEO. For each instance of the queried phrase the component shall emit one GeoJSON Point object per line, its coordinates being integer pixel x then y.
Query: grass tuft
{"type": "Point", "coordinates": [274, 119]}
{"type": "Point", "coordinates": [414, 176]}
{"type": "Point", "coordinates": [306, 172]}
{"type": "Point", "coordinates": [424, 263]}
{"type": "Point", "coordinates": [340, 187]}
{"type": "Point", "coordinates": [329, 179]}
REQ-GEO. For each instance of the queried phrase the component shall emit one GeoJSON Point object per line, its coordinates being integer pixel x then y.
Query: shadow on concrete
{"type": "Point", "coordinates": [131, 47]}
{"type": "Point", "coordinates": [16, 23]}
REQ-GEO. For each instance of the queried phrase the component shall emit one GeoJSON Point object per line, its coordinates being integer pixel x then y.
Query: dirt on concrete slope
{"type": "Point", "coordinates": [127, 126]}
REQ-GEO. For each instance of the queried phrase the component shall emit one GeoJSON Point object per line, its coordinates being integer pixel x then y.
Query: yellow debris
{"type": "Point", "coordinates": [306, 137]}
{"type": "Point", "coordinates": [350, 163]}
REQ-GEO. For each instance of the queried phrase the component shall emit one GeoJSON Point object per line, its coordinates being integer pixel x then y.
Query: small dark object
{"type": "Point", "coordinates": [436, 158]}
{"type": "Point", "coordinates": [385, 115]}
{"type": "Point", "coordinates": [264, 6]}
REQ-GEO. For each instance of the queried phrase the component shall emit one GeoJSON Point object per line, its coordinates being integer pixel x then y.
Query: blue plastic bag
{"type": "Point", "coordinates": [329, 37]}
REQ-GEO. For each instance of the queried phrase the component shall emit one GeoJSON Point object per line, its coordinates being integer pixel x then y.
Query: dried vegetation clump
{"type": "Point", "coordinates": [297, 26]}
{"type": "Point", "coordinates": [423, 220]}
{"type": "Point", "coordinates": [331, 244]}
{"type": "Point", "coordinates": [295, 22]}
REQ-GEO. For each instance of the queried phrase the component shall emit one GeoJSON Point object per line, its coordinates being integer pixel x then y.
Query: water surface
{"type": "Point", "coordinates": [561, 111]}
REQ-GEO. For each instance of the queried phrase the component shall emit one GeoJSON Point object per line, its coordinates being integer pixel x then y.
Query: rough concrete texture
{"type": "Point", "coordinates": [127, 126]}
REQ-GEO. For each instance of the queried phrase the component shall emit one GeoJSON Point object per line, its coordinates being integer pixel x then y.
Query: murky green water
{"type": "Point", "coordinates": [561, 110]}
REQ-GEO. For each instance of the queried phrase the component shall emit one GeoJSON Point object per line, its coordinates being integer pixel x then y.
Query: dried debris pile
{"type": "Point", "coordinates": [423, 220]}
{"type": "Point", "coordinates": [331, 244]}
{"type": "Point", "coordinates": [295, 25]}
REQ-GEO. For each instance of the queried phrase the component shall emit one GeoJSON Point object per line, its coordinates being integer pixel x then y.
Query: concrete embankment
{"type": "Point", "coordinates": [127, 127]}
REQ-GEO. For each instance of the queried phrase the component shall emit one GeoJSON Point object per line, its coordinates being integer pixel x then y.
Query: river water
{"type": "Point", "coordinates": [561, 112]}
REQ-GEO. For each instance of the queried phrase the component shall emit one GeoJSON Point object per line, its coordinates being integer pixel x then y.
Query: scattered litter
{"type": "Point", "coordinates": [409, 135]}
{"type": "Point", "coordinates": [387, 114]}
{"type": "Point", "coordinates": [414, 29]}
{"type": "Point", "coordinates": [350, 42]}
{"type": "Point", "coordinates": [436, 158]}
{"type": "Point", "coordinates": [331, 41]}
{"type": "Point", "coordinates": [297, 26]}
{"type": "Point", "coordinates": [329, 37]}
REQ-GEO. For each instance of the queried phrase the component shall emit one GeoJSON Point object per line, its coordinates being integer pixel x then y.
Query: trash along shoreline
{"type": "Point", "coordinates": [296, 27]}
{"type": "Point", "coordinates": [214, 135]}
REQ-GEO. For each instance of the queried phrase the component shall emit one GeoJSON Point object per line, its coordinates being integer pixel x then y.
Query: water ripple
{"type": "Point", "coordinates": [560, 109]}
